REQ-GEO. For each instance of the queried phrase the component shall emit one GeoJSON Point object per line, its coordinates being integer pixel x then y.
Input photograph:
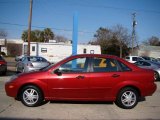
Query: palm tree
{"type": "Point", "coordinates": [24, 35]}
{"type": "Point", "coordinates": [48, 34]}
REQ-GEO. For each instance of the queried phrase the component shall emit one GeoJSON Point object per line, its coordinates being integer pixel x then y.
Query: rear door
{"type": "Point", "coordinates": [105, 74]}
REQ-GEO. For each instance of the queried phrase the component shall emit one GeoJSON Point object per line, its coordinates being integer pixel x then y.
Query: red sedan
{"type": "Point", "coordinates": [87, 77]}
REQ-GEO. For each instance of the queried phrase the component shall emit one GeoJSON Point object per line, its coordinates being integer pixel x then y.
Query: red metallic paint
{"type": "Point", "coordinates": [94, 86]}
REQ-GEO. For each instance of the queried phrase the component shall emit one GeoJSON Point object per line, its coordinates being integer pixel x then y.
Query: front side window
{"type": "Point", "coordinates": [104, 65]}
{"type": "Point", "coordinates": [146, 64]}
{"type": "Point", "coordinates": [75, 65]}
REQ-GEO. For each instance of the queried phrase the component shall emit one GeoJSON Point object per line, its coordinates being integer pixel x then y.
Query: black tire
{"type": "Point", "coordinates": [31, 96]}
{"type": "Point", "coordinates": [156, 76]}
{"type": "Point", "coordinates": [127, 98]}
{"type": "Point", "coordinates": [17, 70]}
{"type": "Point", "coordinates": [4, 72]}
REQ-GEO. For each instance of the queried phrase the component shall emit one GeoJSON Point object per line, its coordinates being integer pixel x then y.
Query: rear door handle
{"type": "Point", "coordinates": [115, 75]}
{"type": "Point", "coordinates": [80, 77]}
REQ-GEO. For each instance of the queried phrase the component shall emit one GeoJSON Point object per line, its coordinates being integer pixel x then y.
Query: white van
{"type": "Point", "coordinates": [133, 59]}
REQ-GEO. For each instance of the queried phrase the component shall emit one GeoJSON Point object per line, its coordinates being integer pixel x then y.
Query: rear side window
{"type": "Point", "coordinates": [134, 58]}
{"type": "Point", "coordinates": [146, 64]}
{"type": "Point", "coordinates": [104, 65]}
{"type": "Point", "coordinates": [124, 67]}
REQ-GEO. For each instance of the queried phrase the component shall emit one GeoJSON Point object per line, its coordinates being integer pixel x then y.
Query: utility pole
{"type": "Point", "coordinates": [134, 23]}
{"type": "Point", "coordinates": [29, 27]}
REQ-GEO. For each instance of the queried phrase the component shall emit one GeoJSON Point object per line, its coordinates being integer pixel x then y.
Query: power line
{"type": "Point", "coordinates": [42, 27]}
{"type": "Point", "coordinates": [118, 8]}
{"type": "Point", "coordinates": [96, 6]}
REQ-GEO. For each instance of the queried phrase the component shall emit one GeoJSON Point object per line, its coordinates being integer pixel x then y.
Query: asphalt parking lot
{"type": "Point", "coordinates": [11, 109]}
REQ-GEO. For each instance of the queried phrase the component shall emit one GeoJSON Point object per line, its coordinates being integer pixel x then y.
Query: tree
{"type": "Point", "coordinates": [25, 36]}
{"type": "Point", "coordinates": [112, 41]}
{"type": "Point", "coordinates": [123, 38]}
{"type": "Point", "coordinates": [60, 38]}
{"type": "Point", "coordinates": [3, 34]}
{"type": "Point", "coordinates": [38, 35]}
{"type": "Point", "coordinates": [102, 37]}
{"type": "Point", "coordinates": [153, 41]}
{"type": "Point", "coordinates": [48, 34]}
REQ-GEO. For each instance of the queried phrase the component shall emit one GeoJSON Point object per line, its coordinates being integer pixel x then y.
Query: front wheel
{"type": "Point", "coordinates": [127, 98]}
{"type": "Point", "coordinates": [31, 96]}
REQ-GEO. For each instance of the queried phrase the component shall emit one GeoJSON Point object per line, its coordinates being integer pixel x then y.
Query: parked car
{"type": "Point", "coordinates": [150, 65]}
{"type": "Point", "coordinates": [87, 77]}
{"type": "Point", "coordinates": [3, 66]}
{"type": "Point", "coordinates": [19, 57]}
{"type": "Point", "coordinates": [31, 63]}
{"type": "Point", "coordinates": [158, 59]}
{"type": "Point", "coordinates": [133, 59]}
{"type": "Point", "coordinates": [149, 58]}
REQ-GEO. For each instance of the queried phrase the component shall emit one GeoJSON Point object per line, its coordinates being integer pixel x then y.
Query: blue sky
{"type": "Point", "coordinates": [58, 15]}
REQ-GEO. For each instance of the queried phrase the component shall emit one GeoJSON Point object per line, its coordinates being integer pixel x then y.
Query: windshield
{"type": "Point", "coordinates": [51, 65]}
{"type": "Point", "coordinates": [47, 67]}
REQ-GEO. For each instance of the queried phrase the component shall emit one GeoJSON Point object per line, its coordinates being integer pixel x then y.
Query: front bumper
{"type": "Point", "coordinates": [11, 89]}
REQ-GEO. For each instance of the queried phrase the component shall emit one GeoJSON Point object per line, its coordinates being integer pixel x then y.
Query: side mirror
{"type": "Point", "coordinates": [58, 72]}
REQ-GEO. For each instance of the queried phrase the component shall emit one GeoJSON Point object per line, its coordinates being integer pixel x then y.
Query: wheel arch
{"type": "Point", "coordinates": [29, 84]}
{"type": "Point", "coordinates": [117, 89]}
{"type": "Point", "coordinates": [130, 86]}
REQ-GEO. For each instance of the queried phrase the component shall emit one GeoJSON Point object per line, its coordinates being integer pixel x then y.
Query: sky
{"type": "Point", "coordinates": [92, 14]}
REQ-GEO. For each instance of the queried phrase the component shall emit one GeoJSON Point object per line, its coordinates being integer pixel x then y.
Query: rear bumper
{"type": "Point", "coordinates": [149, 89]}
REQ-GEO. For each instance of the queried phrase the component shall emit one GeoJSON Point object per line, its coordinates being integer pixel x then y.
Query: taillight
{"type": "Point", "coordinates": [29, 64]}
{"type": "Point", "coordinates": [3, 63]}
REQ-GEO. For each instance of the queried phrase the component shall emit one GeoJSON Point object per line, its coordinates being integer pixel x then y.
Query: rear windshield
{"type": "Point", "coordinates": [36, 59]}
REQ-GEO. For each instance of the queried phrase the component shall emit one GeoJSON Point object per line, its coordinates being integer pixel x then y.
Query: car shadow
{"type": "Point", "coordinates": [80, 102]}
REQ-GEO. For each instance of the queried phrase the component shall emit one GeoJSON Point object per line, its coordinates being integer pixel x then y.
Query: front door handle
{"type": "Point", "coordinates": [80, 77]}
{"type": "Point", "coordinates": [115, 75]}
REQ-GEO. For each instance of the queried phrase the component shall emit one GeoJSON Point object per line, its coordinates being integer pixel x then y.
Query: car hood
{"type": "Point", "coordinates": [33, 74]}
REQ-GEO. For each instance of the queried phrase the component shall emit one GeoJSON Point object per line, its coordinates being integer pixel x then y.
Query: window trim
{"type": "Point", "coordinates": [92, 62]}
{"type": "Point", "coordinates": [88, 66]}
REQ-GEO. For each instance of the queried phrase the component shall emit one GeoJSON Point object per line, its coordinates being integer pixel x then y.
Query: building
{"type": "Point", "coordinates": [52, 51]}
{"type": "Point", "coordinates": [11, 47]}
{"type": "Point", "coordinates": [150, 51]}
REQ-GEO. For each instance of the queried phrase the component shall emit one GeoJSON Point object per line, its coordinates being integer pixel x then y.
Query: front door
{"type": "Point", "coordinates": [70, 80]}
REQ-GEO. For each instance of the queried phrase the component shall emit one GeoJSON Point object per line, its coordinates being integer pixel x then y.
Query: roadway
{"type": "Point", "coordinates": [11, 109]}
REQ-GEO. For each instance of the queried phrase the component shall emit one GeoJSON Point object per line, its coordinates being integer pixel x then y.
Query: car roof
{"type": "Point", "coordinates": [94, 55]}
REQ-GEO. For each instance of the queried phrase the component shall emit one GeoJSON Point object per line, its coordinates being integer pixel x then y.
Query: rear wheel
{"type": "Point", "coordinates": [156, 76]}
{"type": "Point", "coordinates": [31, 96]}
{"type": "Point", "coordinates": [127, 98]}
{"type": "Point", "coordinates": [4, 72]}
